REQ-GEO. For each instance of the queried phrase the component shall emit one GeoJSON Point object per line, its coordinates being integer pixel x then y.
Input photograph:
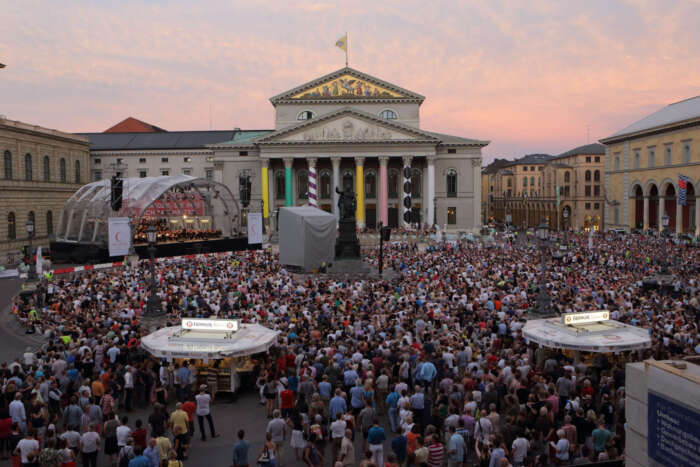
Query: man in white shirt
{"type": "Point", "coordinates": [28, 448]}
{"type": "Point", "coordinates": [17, 412]}
{"type": "Point", "coordinates": [128, 388]}
{"type": "Point", "coordinates": [277, 429]}
{"type": "Point", "coordinates": [203, 410]}
{"type": "Point", "coordinates": [123, 432]}
{"type": "Point", "coordinates": [519, 450]}
{"type": "Point", "coordinates": [338, 427]}
{"type": "Point", "coordinates": [89, 445]}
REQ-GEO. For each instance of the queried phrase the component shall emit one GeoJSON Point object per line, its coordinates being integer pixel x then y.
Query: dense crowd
{"type": "Point", "coordinates": [429, 368]}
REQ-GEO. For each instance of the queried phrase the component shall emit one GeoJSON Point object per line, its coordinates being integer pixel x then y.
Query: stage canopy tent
{"type": "Point", "coordinates": [176, 342]}
{"type": "Point", "coordinates": [84, 217]}
{"type": "Point", "coordinates": [307, 237]}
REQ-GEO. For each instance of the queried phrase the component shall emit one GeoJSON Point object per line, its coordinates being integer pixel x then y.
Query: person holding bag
{"type": "Point", "coordinates": [266, 457]}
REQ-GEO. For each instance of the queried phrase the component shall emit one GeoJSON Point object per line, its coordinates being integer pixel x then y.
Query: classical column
{"type": "Point", "coordinates": [265, 190]}
{"type": "Point", "coordinates": [313, 194]}
{"type": "Point", "coordinates": [646, 213]}
{"type": "Point", "coordinates": [679, 217]}
{"type": "Point", "coordinates": [406, 201]}
{"type": "Point", "coordinates": [288, 193]}
{"type": "Point", "coordinates": [383, 190]}
{"type": "Point", "coordinates": [360, 192]}
{"type": "Point", "coordinates": [335, 161]}
{"type": "Point", "coordinates": [660, 213]}
{"type": "Point", "coordinates": [430, 199]}
{"type": "Point", "coordinates": [697, 216]}
{"type": "Point", "coordinates": [476, 184]}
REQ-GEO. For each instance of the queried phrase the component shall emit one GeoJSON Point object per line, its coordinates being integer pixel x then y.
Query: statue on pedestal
{"type": "Point", "coordinates": [347, 245]}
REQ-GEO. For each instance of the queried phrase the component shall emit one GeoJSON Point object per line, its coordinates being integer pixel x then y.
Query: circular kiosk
{"type": "Point", "coordinates": [221, 349]}
{"type": "Point", "coordinates": [592, 331]}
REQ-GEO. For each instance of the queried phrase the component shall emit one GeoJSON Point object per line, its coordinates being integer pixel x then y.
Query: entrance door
{"type": "Point", "coordinates": [393, 217]}
{"type": "Point", "coordinates": [371, 216]}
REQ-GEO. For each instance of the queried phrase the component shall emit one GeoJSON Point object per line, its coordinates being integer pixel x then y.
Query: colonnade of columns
{"type": "Point", "coordinates": [383, 191]}
{"type": "Point", "coordinates": [661, 210]}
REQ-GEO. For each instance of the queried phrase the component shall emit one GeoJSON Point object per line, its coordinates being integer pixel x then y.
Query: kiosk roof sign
{"type": "Point", "coordinates": [218, 325]}
{"type": "Point", "coordinates": [585, 318]}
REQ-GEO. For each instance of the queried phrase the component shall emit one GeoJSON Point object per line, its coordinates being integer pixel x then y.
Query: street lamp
{"type": "Point", "coordinates": [566, 226]}
{"type": "Point", "coordinates": [152, 237]}
{"type": "Point", "coordinates": [30, 234]}
{"type": "Point", "coordinates": [664, 233]}
{"type": "Point", "coordinates": [544, 302]}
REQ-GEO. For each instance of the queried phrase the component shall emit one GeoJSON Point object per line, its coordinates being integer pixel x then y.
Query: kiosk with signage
{"type": "Point", "coordinates": [590, 331]}
{"type": "Point", "coordinates": [220, 348]}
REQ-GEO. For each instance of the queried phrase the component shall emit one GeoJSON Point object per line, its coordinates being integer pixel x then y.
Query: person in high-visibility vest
{"type": "Point", "coordinates": [33, 319]}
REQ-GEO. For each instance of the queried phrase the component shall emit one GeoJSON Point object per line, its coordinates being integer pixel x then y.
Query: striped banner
{"type": "Point", "coordinates": [682, 190]}
{"type": "Point", "coordinates": [313, 198]}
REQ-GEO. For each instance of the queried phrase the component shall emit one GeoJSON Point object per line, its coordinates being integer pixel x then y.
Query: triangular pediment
{"type": "Point", "coordinates": [347, 125]}
{"type": "Point", "coordinates": [346, 85]}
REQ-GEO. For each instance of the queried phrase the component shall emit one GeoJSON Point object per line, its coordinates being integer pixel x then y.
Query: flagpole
{"type": "Point", "coordinates": [347, 46]}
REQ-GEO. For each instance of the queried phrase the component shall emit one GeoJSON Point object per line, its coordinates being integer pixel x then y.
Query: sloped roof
{"type": "Point", "coordinates": [678, 112]}
{"type": "Point", "coordinates": [585, 150]}
{"type": "Point", "coordinates": [133, 125]}
{"type": "Point", "coordinates": [494, 166]}
{"type": "Point", "coordinates": [165, 140]}
{"type": "Point", "coordinates": [531, 159]}
{"type": "Point", "coordinates": [286, 96]}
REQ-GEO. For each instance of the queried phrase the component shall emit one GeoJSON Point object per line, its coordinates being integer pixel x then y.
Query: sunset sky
{"type": "Point", "coordinates": [535, 76]}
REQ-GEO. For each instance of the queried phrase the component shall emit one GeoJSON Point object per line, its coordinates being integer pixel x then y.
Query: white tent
{"type": "Point", "coordinates": [307, 237]}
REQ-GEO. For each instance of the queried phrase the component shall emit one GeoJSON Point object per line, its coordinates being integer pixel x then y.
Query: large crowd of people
{"type": "Point", "coordinates": [428, 368]}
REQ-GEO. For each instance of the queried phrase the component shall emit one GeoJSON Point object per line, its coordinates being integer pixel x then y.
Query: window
{"type": "Point", "coordinates": [532, 181]}
{"type": "Point", "coordinates": [348, 180]}
{"type": "Point", "coordinates": [119, 161]}
{"type": "Point", "coordinates": [686, 152]}
{"type": "Point", "coordinates": [567, 190]}
{"type": "Point", "coordinates": [452, 183]}
{"type": "Point", "coordinates": [388, 115]}
{"type": "Point", "coordinates": [510, 183]}
{"type": "Point", "coordinates": [667, 154]}
{"type": "Point", "coordinates": [617, 161]}
{"type": "Point", "coordinates": [28, 167]}
{"type": "Point", "coordinates": [524, 181]}
{"type": "Point", "coordinates": [49, 223]}
{"type": "Point", "coordinates": [588, 159]}
{"type": "Point", "coordinates": [532, 169]}
{"type": "Point", "coordinates": [393, 183]}
{"type": "Point", "coordinates": [164, 159]}
{"type": "Point", "coordinates": [164, 172]}
{"type": "Point", "coordinates": [47, 169]}
{"type": "Point", "coordinates": [452, 216]}
{"type": "Point", "coordinates": [616, 215]}
{"type": "Point", "coordinates": [597, 158]}
{"type": "Point", "coordinates": [636, 158]}
{"type": "Point", "coordinates": [302, 185]}
{"type": "Point", "coordinates": [209, 174]}
{"type": "Point", "coordinates": [416, 183]}
{"type": "Point", "coordinates": [8, 165]}
{"type": "Point", "coordinates": [62, 170]}
{"type": "Point", "coordinates": [370, 184]}
{"type": "Point", "coordinates": [588, 205]}
{"type": "Point", "coordinates": [596, 205]}
{"type": "Point", "coordinates": [188, 159]}
{"type": "Point", "coordinates": [279, 185]}
{"type": "Point", "coordinates": [567, 177]}
{"type": "Point", "coordinates": [325, 184]}
{"type": "Point", "coordinates": [596, 190]}
{"type": "Point", "coordinates": [588, 175]}
{"type": "Point", "coordinates": [143, 173]}
{"type": "Point", "coordinates": [77, 172]}
{"type": "Point", "coordinates": [525, 169]}
{"type": "Point", "coordinates": [240, 153]}
{"type": "Point", "coordinates": [11, 226]}
{"type": "Point", "coordinates": [596, 176]}
{"type": "Point", "coordinates": [305, 115]}
{"type": "Point", "coordinates": [186, 171]}
{"type": "Point", "coordinates": [451, 151]}
{"type": "Point", "coordinates": [97, 160]}
{"type": "Point", "coordinates": [142, 160]}
{"type": "Point", "coordinates": [96, 175]}
{"type": "Point", "coordinates": [540, 168]}
{"type": "Point", "coordinates": [588, 190]}
{"type": "Point", "coordinates": [31, 218]}
{"type": "Point", "coordinates": [652, 156]}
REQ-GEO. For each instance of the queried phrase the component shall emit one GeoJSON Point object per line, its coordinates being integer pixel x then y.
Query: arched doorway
{"type": "Point", "coordinates": [587, 223]}
{"type": "Point", "coordinates": [653, 207]}
{"type": "Point", "coordinates": [689, 220]}
{"type": "Point", "coordinates": [670, 206]}
{"type": "Point", "coordinates": [596, 223]}
{"type": "Point", "coordinates": [638, 207]}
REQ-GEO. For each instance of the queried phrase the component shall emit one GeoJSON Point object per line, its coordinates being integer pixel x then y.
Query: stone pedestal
{"type": "Point", "coordinates": [347, 245]}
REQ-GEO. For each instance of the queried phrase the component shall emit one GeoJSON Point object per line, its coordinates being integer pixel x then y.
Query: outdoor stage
{"type": "Point", "coordinates": [83, 253]}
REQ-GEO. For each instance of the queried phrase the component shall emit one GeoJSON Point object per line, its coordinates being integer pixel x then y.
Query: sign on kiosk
{"type": "Point", "coordinates": [584, 318]}
{"type": "Point", "coordinates": [221, 325]}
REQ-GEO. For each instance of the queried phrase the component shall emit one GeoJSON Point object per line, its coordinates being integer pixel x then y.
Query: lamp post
{"type": "Point", "coordinates": [544, 302]}
{"type": "Point", "coordinates": [565, 214]}
{"type": "Point", "coordinates": [31, 275]}
{"type": "Point", "coordinates": [152, 237]}
{"type": "Point", "coordinates": [664, 234]}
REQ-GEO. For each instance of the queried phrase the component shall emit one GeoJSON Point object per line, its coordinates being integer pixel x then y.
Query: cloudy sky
{"type": "Point", "coordinates": [535, 76]}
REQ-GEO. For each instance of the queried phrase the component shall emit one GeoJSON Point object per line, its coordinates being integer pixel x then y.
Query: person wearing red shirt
{"type": "Point", "coordinates": [189, 407]}
{"type": "Point", "coordinates": [139, 435]}
{"type": "Point", "coordinates": [287, 401]}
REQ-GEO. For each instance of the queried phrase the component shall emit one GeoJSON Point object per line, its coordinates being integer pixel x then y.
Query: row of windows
{"type": "Point", "coordinates": [46, 166]}
{"type": "Point", "coordinates": [386, 114]}
{"type": "Point", "coordinates": [12, 223]}
{"type": "Point", "coordinates": [348, 181]}
{"type": "Point", "coordinates": [143, 173]}
{"type": "Point", "coordinates": [532, 168]}
{"type": "Point", "coordinates": [142, 160]}
{"type": "Point", "coordinates": [651, 156]}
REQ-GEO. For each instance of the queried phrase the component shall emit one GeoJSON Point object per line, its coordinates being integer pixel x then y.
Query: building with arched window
{"type": "Point", "coordinates": [30, 154]}
{"type": "Point", "coordinates": [652, 169]}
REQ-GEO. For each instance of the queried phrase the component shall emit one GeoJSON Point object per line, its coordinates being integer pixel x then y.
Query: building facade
{"type": "Point", "coordinates": [41, 169]}
{"type": "Point", "coordinates": [652, 168]}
